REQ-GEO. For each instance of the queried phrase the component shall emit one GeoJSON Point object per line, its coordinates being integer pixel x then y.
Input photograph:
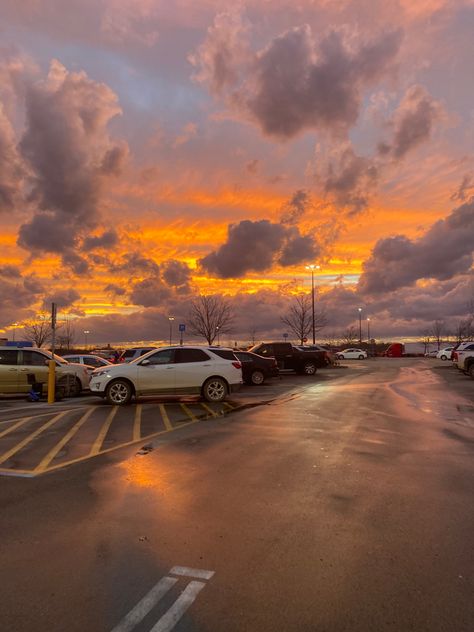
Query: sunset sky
{"type": "Point", "coordinates": [152, 150]}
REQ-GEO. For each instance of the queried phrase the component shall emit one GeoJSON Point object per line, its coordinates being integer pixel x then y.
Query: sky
{"type": "Point", "coordinates": [152, 151]}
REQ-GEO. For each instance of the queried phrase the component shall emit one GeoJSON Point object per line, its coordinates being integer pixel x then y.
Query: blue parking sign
{"type": "Point", "coordinates": [182, 327]}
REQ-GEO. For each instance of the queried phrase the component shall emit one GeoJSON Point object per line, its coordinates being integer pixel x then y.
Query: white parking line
{"type": "Point", "coordinates": [143, 607]}
{"type": "Point", "coordinates": [197, 573]}
{"type": "Point", "coordinates": [174, 614]}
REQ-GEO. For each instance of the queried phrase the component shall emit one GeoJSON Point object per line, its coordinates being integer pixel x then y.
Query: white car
{"type": "Point", "coordinates": [183, 370]}
{"type": "Point", "coordinates": [352, 354]}
{"type": "Point", "coordinates": [444, 354]}
{"type": "Point", "coordinates": [90, 361]}
{"type": "Point", "coordinates": [464, 351]}
{"type": "Point", "coordinates": [20, 368]}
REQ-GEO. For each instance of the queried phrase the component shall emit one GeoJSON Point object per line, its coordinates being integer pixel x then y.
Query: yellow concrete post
{"type": "Point", "coordinates": [51, 381]}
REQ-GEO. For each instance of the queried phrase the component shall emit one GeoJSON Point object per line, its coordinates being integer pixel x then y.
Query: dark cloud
{"type": "Point", "coordinates": [113, 288]}
{"type": "Point", "coordinates": [136, 263]}
{"type": "Point", "coordinates": [412, 123]}
{"type": "Point", "coordinates": [256, 246]}
{"type": "Point", "coordinates": [150, 292]}
{"type": "Point", "coordinates": [442, 252]}
{"type": "Point", "coordinates": [11, 169]}
{"type": "Point", "coordinates": [347, 178]}
{"type": "Point", "coordinates": [63, 298]}
{"type": "Point", "coordinates": [10, 272]}
{"type": "Point", "coordinates": [17, 295]}
{"type": "Point", "coordinates": [78, 264]}
{"type": "Point", "coordinates": [465, 189]}
{"type": "Point", "coordinates": [295, 83]}
{"type": "Point", "coordinates": [176, 273]}
{"type": "Point", "coordinates": [70, 153]}
{"type": "Point", "coordinates": [296, 207]}
{"type": "Point", "coordinates": [253, 166]}
{"type": "Point", "coordinates": [108, 239]}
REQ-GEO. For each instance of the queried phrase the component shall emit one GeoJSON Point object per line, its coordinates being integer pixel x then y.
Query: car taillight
{"type": "Point", "coordinates": [455, 355]}
{"type": "Point", "coordinates": [238, 365]}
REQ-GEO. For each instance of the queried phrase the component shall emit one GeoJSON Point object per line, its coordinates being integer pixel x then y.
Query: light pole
{"type": "Point", "coordinates": [86, 332]}
{"type": "Point", "coordinates": [360, 325]}
{"type": "Point", "coordinates": [312, 267]}
{"type": "Point", "coordinates": [368, 330]}
{"type": "Point", "coordinates": [171, 318]}
{"type": "Point", "coordinates": [218, 338]}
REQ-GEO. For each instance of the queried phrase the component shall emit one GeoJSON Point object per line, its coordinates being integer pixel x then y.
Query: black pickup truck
{"type": "Point", "coordinates": [289, 357]}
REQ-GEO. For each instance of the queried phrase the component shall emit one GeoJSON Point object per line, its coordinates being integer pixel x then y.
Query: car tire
{"type": "Point", "coordinates": [257, 377]}
{"type": "Point", "coordinates": [340, 357]}
{"type": "Point", "coordinates": [119, 393]}
{"type": "Point", "coordinates": [77, 388]}
{"type": "Point", "coordinates": [471, 371]}
{"type": "Point", "coordinates": [214, 390]}
{"type": "Point", "coordinates": [443, 357]}
{"type": "Point", "coordinates": [309, 368]}
{"type": "Point", "coordinates": [361, 357]}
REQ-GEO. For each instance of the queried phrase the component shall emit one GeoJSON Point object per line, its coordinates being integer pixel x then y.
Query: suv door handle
{"type": "Point", "coordinates": [13, 370]}
{"type": "Point", "coordinates": [24, 370]}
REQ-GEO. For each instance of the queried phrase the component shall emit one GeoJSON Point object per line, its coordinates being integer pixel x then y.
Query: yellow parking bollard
{"type": "Point", "coordinates": [51, 381]}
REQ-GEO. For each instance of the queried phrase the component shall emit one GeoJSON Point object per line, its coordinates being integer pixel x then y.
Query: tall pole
{"type": "Point", "coordinates": [360, 325]}
{"type": "Point", "coordinates": [86, 331]}
{"type": "Point", "coordinates": [171, 318]}
{"type": "Point", "coordinates": [368, 330]}
{"type": "Point", "coordinates": [313, 267]}
{"type": "Point", "coordinates": [218, 337]}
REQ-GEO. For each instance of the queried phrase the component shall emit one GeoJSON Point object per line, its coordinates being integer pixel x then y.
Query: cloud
{"type": "Point", "coordinates": [252, 166]}
{"type": "Point", "coordinates": [63, 298]}
{"type": "Point", "coordinates": [188, 132]}
{"type": "Point", "coordinates": [135, 263]}
{"type": "Point", "coordinates": [412, 123]}
{"type": "Point", "coordinates": [68, 148]}
{"type": "Point", "coordinates": [108, 239]}
{"type": "Point", "coordinates": [295, 83]}
{"type": "Point", "coordinates": [348, 179]}
{"type": "Point", "coordinates": [465, 189]}
{"type": "Point", "coordinates": [11, 168]}
{"type": "Point", "coordinates": [442, 252]}
{"type": "Point", "coordinates": [17, 294]}
{"type": "Point", "coordinates": [176, 273]}
{"type": "Point", "coordinates": [256, 246]}
{"type": "Point", "coordinates": [113, 288]}
{"type": "Point", "coordinates": [10, 272]}
{"type": "Point", "coordinates": [296, 207]}
{"type": "Point", "coordinates": [150, 292]}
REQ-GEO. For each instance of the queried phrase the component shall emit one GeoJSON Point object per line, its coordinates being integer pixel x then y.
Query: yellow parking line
{"type": "Point", "coordinates": [54, 451]}
{"type": "Point", "coordinates": [15, 426]}
{"type": "Point", "coordinates": [137, 423]}
{"type": "Point", "coordinates": [228, 405]}
{"type": "Point", "coordinates": [4, 457]}
{"type": "Point", "coordinates": [209, 410]}
{"type": "Point", "coordinates": [188, 412]}
{"type": "Point", "coordinates": [166, 419]}
{"type": "Point", "coordinates": [103, 431]}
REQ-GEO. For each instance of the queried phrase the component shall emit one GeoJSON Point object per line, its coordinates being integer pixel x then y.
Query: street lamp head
{"type": "Point", "coordinates": [368, 318]}
{"type": "Point", "coordinates": [360, 309]}
{"type": "Point", "coordinates": [170, 318]}
{"type": "Point", "coordinates": [312, 266]}
{"type": "Point", "coordinates": [86, 331]}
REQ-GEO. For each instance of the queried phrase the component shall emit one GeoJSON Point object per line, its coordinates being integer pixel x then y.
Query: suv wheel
{"type": "Point", "coordinates": [257, 377]}
{"type": "Point", "coordinates": [214, 389]}
{"type": "Point", "coordinates": [471, 371]}
{"type": "Point", "coordinates": [309, 368]}
{"type": "Point", "coordinates": [119, 392]}
{"type": "Point", "coordinates": [340, 356]}
{"type": "Point", "coordinates": [361, 357]}
{"type": "Point", "coordinates": [443, 357]}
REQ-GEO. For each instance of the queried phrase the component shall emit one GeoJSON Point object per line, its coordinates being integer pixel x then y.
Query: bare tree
{"type": "Point", "coordinates": [437, 331]}
{"type": "Point", "coordinates": [350, 336]}
{"type": "Point", "coordinates": [299, 317]}
{"type": "Point", "coordinates": [464, 329]}
{"type": "Point", "coordinates": [39, 331]}
{"type": "Point", "coordinates": [66, 334]}
{"type": "Point", "coordinates": [209, 317]}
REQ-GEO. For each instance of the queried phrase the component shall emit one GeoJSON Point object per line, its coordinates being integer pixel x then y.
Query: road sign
{"type": "Point", "coordinates": [182, 327]}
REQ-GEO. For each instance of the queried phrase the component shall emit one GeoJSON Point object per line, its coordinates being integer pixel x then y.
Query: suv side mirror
{"type": "Point", "coordinates": [145, 362]}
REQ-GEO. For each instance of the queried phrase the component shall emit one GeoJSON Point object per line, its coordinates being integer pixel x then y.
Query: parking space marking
{"type": "Point", "coordinates": [6, 455]}
{"type": "Point", "coordinates": [164, 416]}
{"type": "Point", "coordinates": [54, 450]}
{"type": "Point", "coordinates": [209, 410]}
{"type": "Point", "coordinates": [143, 607]}
{"type": "Point", "coordinates": [228, 406]}
{"type": "Point", "coordinates": [103, 431]}
{"type": "Point", "coordinates": [188, 412]}
{"type": "Point", "coordinates": [196, 573]}
{"type": "Point", "coordinates": [174, 613]}
{"type": "Point", "coordinates": [137, 422]}
{"type": "Point", "coordinates": [15, 426]}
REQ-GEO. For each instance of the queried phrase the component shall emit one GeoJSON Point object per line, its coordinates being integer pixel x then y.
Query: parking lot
{"type": "Point", "coordinates": [350, 493]}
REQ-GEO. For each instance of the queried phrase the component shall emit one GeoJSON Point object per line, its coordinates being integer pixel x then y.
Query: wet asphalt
{"type": "Point", "coordinates": [343, 502]}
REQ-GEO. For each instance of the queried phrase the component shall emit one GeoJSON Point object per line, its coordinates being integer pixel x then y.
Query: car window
{"type": "Point", "coordinates": [129, 353]}
{"type": "Point", "coordinates": [266, 350]}
{"type": "Point", "coordinates": [143, 351]}
{"type": "Point", "coordinates": [191, 355]}
{"type": "Point", "coordinates": [225, 354]}
{"type": "Point", "coordinates": [8, 357]}
{"type": "Point", "coordinates": [92, 361]}
{"type": "Point", "coordinates": [162, 357]}
{"type": "Point", "coordinates": [33, 358]}
{"type": "Point", "coordinates": [244, 357]}
{"type": "Point", "coordinates": [73, 359]}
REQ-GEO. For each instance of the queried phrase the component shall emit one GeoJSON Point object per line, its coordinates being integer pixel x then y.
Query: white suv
{"type": "Point", "coordinates": [20, 368]}
{"type": "Point", "coordinates": [169, 371]}
{"type": "Point", "coordinates": [464, 351]}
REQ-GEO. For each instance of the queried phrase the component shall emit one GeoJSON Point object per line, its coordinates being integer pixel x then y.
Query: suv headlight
{"type": "Point", "coordinates": [98, 373]}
